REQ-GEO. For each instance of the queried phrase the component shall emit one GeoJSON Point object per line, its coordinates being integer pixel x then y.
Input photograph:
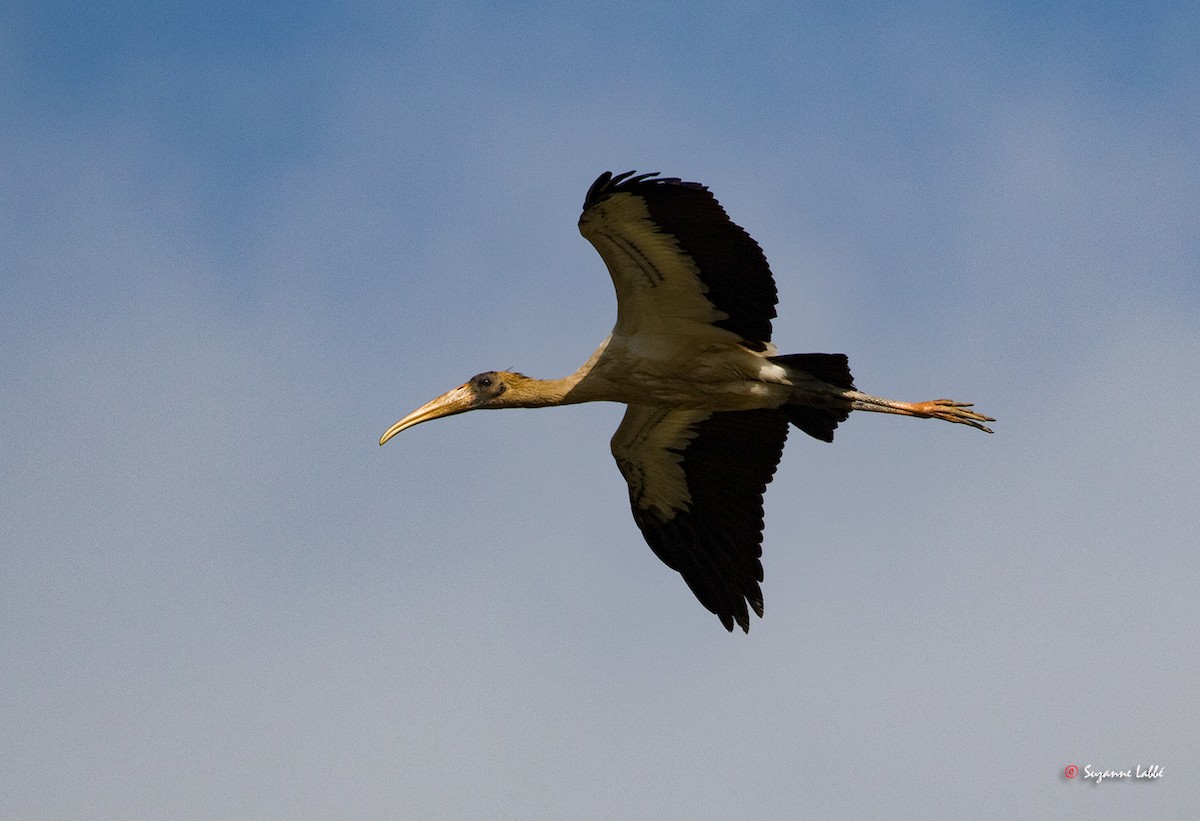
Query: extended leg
{"type": "Point", "coordinates": [946, 409]}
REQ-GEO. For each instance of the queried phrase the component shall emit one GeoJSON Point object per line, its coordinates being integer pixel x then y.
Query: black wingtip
{"type": "Point", "coordinates": [740, 615]}
{"type": "Point", "coordinates": [741, 620]}
{"type": "Point", "coordinates": [608, 184]}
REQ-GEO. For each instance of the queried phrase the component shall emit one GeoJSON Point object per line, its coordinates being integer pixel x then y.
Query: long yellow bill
{"type": "Point", "coordinates": [456, 401]}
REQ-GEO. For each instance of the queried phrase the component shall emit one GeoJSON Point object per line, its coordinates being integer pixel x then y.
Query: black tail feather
{"type": "Point", "coordinates": [833, 368]}
{"type": "Point", "coordinates": [819, 421]}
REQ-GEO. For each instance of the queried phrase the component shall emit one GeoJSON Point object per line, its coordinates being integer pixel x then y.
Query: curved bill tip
{"type": "Point", "coordinates": [415, 418]}
{"type": "Point", "coordinates": [392, 431]}
{"type": "Point", "coordinates": [448, 404]}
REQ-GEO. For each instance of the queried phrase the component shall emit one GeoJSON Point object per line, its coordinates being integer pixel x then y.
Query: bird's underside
{"type": "Point", "coordinates": [696, 477]}
{"type": "Point", "coordinates": [709, 402]}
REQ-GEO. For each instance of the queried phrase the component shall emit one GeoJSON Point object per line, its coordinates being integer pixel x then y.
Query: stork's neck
{"type": "Point", "coordinates": [585, 385]}
{"type": "Point", "coordinates": [543, 393]}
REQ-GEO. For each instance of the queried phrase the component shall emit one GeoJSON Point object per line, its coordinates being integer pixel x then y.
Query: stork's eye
{"type": "Point", "coordinates": [483, 380]}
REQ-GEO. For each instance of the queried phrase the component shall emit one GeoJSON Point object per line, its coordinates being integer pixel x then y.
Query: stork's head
{"type": "Point", "coordinates": [483, 390]}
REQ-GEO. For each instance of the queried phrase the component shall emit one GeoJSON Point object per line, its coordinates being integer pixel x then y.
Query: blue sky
{"type": "Point", "coordinates": [238, 241]}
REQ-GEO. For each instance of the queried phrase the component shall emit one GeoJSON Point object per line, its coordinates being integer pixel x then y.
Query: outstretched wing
{"type": "Point", "coordinates": [679, 264]}
{"type": "Point", "coordinates": [696, 481]}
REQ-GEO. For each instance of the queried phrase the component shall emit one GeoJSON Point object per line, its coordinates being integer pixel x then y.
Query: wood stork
{"type": "Point", "coordinates": [708, 398]}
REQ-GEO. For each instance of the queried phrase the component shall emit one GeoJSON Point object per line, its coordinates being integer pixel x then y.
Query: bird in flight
{"type": "Point", "coordinates": [708, 398]}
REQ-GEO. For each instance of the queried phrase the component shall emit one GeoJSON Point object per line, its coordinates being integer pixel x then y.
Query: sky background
{"type": "Point", "coordinates": [239, 240]}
